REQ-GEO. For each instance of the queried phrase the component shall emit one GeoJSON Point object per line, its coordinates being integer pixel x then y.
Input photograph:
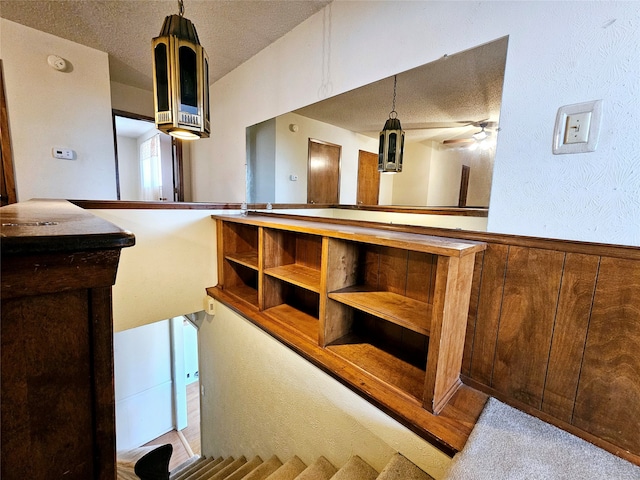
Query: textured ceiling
{"type": "Point", "coordinates": [231, 31]}
{"type": "Point", "coordinates": [456, 92]}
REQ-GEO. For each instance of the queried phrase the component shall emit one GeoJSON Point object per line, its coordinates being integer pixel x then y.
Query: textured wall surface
{"type": "Point", "coordinates": [592, 54]}
{"type": "Point", "coordinates": [558, 55]}
{"type": "Point", "coordinates": [263, 399]}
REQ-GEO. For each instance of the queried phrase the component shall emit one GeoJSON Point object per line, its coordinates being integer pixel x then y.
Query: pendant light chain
{"type": "Point", "coordinates": [181, 8]}
{"type": "Point", "coordinates": [393, 108]}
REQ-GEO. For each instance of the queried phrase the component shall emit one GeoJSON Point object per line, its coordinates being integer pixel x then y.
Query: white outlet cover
{"type": "Point", "coordinates": [559, 147]}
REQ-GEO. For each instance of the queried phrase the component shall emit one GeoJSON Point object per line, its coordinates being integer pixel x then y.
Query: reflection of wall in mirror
{"type": "Point", "coordinates": [430, 176]}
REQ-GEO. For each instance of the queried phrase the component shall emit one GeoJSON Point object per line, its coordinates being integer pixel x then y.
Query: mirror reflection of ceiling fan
{"type": "Point", "coordinates": [468, 137]}
{"type": "Point", "coordinates": [487, 130]}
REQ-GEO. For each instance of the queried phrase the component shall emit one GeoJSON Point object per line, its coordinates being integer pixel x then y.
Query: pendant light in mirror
{"type": "Point", "coordinates": [180, 79]}
{"type": "Point", "coordinates": [391, 146]}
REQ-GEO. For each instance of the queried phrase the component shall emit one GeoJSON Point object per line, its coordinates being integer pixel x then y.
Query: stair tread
{"type": "Point", "coordinates": [185, 465]}
{"type": "Point", "coordinates": [196, 467]}
{"type": "Point", "coordinates": [207, 472]}
{"type": "Point", "coordinates": [228, 470]}
{"type": "Point", "coordinates": [265, 469]}
{"type": "Point", "coordinates": [356, 469]}
{"type": "Point", "coordinates": [245, 469]}
{"type": "Point", "coordinates": [399, 468]}
{"type": "Point", "coordinates": [289, 470]}
{"type": "Point", "coordinates": [321, 469]}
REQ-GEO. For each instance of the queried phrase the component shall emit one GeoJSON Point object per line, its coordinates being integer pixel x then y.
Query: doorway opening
{"type": "Point", "coordinates": [157, 387]}
{"type": "Point", "coordinates": [150, 165]}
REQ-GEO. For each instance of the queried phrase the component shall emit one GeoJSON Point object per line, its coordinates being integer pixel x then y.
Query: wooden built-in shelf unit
{"type": "Point", "coordinates": [389, 305]}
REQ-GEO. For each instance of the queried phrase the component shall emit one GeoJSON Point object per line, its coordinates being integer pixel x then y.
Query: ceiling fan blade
{"type": "Point", "coordinates": [458, 141]}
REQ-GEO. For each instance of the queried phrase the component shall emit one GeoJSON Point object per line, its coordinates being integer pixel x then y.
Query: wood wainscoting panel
{"type": "Point", "coordinates": [608, 400]}
{"type": "Point", "coordinates": [491, 288]}
{"type": "Point", "coordinates": [569, 335]}
{"type": "Point", "coordinates": [532, 285]}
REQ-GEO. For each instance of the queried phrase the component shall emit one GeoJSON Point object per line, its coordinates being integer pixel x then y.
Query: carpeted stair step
{"type": "Point", "coordinates": [265, 469]}
{"type": "Point", "coordinates": [247, 468]}
{"type": "Point", "coordinates": [228, 470]}
{"type": "Point", "coordinates": [185, 465]}
{"type": "Point", "coordinates": [288, 471]}
{"type": "Point", "coordinates": [208, 472]}
{"type": "Point", "coordinates": [399, 468]}
{"type": "Point", "coordinates": [196, 467]}
{"type": "Point", "coordinates": [356, 469]}
{"type": "Point", "coordinates": [321, 469]}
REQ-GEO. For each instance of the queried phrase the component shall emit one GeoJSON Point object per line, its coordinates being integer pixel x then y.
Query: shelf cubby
{"type": "Point", "coordinates": [293, 257]}
{"type": "Point", "coordinates": [388, 304]}
{"type": "Point", "coordinates": [294, 306]}
{"type": "Point", "coordinates": [389, 352]}
{"type": "Point", "coordinates": [242, 282]}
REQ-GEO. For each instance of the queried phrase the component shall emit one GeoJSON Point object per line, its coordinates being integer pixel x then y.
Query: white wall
{"type": "Point", "coordinates": [292, 153]}
{"type": "Point", "coordinates": [412, 187]}
{"type": "Point", "coordinates": [558, 54]}
{"type": "Point", "coordinates": [48, 108]}
{"type": "Point", "coordinates": [143, 384]}
{"type": "Point", "coordinates": [444, 180]}
{"type": "Point", "coordinates": [128, 168]}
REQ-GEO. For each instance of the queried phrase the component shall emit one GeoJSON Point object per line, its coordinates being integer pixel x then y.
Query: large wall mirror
{"type": "Point", "coordinates": [449, 109]}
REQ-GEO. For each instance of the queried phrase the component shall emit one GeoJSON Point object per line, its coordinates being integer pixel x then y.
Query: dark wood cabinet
{"type": "Point", "coordinates": [58, 266]}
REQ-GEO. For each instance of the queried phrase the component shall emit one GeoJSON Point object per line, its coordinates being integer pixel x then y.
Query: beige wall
{"type": "Point", "coordinates": [48, 108]}
{"type": "Point", "coordinates": [165, 274]}
{"type": "Point", "coordinates": [263, 399]}
{"type": "Point", "coordinates": [132, 100]}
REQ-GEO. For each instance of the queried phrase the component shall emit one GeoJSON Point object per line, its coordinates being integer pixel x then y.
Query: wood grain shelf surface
{"type": "Point", "coordinates": [245, 293]}
{"type": "Point", "coordinates": [297, 274]}
{"type": "Point", "coordinates": [299, 321]}
{"type": "Point", "coordinates": [395, 308]}
{"type": "Point", "coordinates": [381, 364]}
{"type": "Point", "coordinates": [390, 238]}
{"type": "Point", "coordinates": [448, 430]}
{"type": "Point", "coordinates": [248, 259]}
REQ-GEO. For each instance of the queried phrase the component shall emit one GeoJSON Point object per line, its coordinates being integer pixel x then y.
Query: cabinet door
{"type": "Point", "coordinates": [47, 398]}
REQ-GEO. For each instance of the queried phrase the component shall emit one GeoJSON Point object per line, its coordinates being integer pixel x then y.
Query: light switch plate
{"type": "Point", "coordinates": [562, 142]}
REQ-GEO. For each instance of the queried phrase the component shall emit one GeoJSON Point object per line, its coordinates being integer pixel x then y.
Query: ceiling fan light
{"type": "Point", "coordinates": [180, 79]}
{"type": "Point", "coordinates": [481, 135]}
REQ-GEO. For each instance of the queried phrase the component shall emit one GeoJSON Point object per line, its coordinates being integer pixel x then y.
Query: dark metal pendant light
{"type": "Point", "coordinates": [181, 79]}
{"type": "Point", "coordinates": [391, 141]}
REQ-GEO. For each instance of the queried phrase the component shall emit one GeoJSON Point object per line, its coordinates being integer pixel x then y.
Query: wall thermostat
{"type": "Point", "coordinates": [64, 153]}
{"type": "Point", "coordinates": [57, 62]}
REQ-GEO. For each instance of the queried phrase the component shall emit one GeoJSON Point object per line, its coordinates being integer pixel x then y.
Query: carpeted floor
{"type": "Point", "coordinates": [511, 445]}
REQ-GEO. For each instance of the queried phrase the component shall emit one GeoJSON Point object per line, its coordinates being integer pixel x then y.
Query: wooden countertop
{"type": "Point", "coordinates": [39, 226]}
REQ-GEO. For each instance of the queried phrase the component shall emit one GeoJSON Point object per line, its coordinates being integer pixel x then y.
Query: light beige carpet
{"type": "Point", "coordinates": [511, 445]}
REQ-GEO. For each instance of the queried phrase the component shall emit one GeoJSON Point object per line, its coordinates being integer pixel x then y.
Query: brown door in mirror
{"type": "Point", "coordinates": [368, 178]}
{"type": "Point", "coordinates": [323, 179]}
{"type": "Point", "coordinates": [7, 179]}
{"type": "Point", "coordinates": [464, 186]}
